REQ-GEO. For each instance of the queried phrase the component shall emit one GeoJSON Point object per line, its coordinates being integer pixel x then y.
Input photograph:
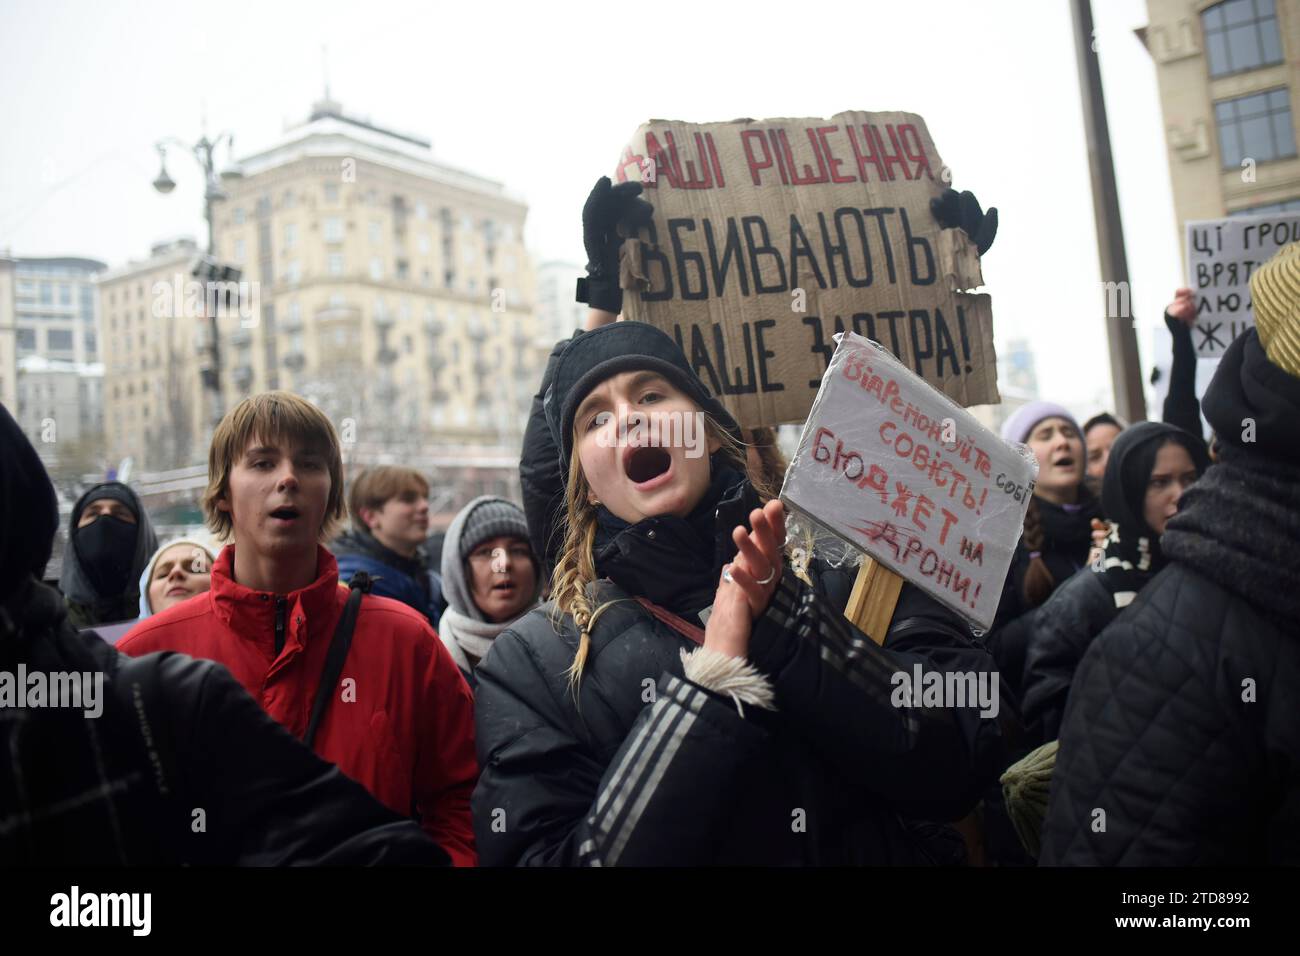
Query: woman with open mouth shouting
{"type": "Point", "coordinates": [685, 697]}
{"type": "Point", "coordinates": [1058, 527]}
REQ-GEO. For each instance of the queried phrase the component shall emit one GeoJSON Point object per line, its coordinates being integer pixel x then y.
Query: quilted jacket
{"type": "Point", "coordinates": [1181, 739]}
{"type": "Point", "coordinates": [1060, 632]}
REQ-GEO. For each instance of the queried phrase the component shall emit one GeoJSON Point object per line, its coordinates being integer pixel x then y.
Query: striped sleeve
{"type": "Point", "coordinates": [842, 689]}
{"type": "Point", "coordinates": [545, 799]}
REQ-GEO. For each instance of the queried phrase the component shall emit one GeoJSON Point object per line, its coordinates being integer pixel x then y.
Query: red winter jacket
{"type": "Point", "coordinates": [409, 734]}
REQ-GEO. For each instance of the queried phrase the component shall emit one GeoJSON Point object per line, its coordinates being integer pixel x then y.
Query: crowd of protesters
{"type": "Point", "coordinates": [632, 666]}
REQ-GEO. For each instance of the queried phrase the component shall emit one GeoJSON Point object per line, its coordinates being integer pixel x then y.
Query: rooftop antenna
{"type": "Point", "coordinates": [325, 106]}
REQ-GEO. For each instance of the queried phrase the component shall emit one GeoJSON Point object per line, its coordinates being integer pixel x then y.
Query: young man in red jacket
{"type": "Point", "coordinates": [401, 718]}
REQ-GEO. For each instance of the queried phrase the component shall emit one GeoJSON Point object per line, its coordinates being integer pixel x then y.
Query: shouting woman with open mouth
{"type": "Point", "coordinates": [686, 697]}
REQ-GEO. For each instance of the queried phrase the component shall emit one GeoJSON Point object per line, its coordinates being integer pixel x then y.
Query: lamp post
{"type": "Point", "coordinates": [1125, 370]}
{"type": "Point", "coordinates": [203, 152]}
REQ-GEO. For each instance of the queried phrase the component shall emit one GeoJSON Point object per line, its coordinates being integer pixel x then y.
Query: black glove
{"type": "Point", "coordinates": [607, 208]}
{"type": "Point", "coordinates": [954, 209]}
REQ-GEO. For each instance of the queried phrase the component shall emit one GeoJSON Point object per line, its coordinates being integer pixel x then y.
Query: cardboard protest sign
{"type": "Point", "coordinates": [771, 236]}
{"type": "Point", "coordinates": [1221, 256]}
{"type": "Point", "coordinates": [906, 475]}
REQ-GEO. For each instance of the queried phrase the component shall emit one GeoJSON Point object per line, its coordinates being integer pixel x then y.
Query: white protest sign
{"type": "Point", "coordinates": [1222, 254]}
{"type": "Point", "coordinates": [902, 472]}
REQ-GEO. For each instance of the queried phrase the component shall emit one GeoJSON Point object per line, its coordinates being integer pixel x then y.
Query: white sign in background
{"type": "Point", "coordinates": [901, 472]}
{"type": "Point", "coordinates": [1222, 254]}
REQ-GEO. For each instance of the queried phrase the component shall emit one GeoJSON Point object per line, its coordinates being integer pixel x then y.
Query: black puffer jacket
{"type": "Point", "coordinates": [1060, 632]}
{"type": "Point", "coordinates": [539, 473]}
{"type": "Point", "coordinates": [175, 734]}
{"type": "Point", "coordinates": [1158, 737]}
{"type": "Point", "coordinates": [648, 768]}
{"type": "Point", "coordinates": [1067, 538]}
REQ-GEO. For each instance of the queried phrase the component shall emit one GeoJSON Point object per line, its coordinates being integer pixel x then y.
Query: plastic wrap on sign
{"type": "Point", "coordinates": [897, 469]}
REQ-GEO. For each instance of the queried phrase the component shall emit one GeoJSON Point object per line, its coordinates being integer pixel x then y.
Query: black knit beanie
{"type": "Point", "coordinates": [592, 357]}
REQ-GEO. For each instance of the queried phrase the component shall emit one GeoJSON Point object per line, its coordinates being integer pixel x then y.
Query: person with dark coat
{"type": "Point", "coordinates": [1151, 464]}
{"type": "Point", "coordinates": [1180, 741]}
{"type": "Point", "coordinates": [389, 506]}
{"type": "Point", "coordinates": [1057, 535]}
{"type": "Point", "coordinates": [1181, 407]}
{"type": "Point", "coordinates": [1053, 546]}
{"type": "Point", "coordinates": [686, 697]}
{"type": "Point", "coordinates": [110, 540]}
{"type": "Point", "coordinates": [539, 475]}
{"type": "Point", "coordinates": [117, 781]}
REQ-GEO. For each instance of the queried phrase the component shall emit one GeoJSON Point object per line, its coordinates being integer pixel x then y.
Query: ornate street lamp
{"type": "Point", "coordinates": [203, 152]}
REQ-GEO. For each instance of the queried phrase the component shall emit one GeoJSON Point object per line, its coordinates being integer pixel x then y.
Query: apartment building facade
{"type": "Point", "coordinates": [391, 290]}
{"type": "Point", "coordinates": [1229, 77]}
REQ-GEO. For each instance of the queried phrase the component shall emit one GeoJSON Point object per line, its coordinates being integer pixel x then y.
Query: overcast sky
{"type": "Point", "coordinates": [542, 96]}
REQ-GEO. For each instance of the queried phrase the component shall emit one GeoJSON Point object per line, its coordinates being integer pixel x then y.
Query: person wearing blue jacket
{"type": "Point", "coordinates": [389, 506]}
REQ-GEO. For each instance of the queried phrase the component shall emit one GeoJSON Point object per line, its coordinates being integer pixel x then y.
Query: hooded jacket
{"type": "Point", "coordinates": [407, 734]}
{"type": "Point", "coordinates": [1061, 630]}
{"type": "Point", "coordinates": [116, 782]}
{"type": "Point", "coordinates": [1181, 721]}
{"type": "Point", "coordinates": [201, 541]}
{"type": "Point", "coordinates": [409, 580]}
{"type": "Point", "coordinates": [463, 628]}
{"type": "Point", "coordinates": [647, 767]}
{"type": "Point", "coordinates": [86, 606]}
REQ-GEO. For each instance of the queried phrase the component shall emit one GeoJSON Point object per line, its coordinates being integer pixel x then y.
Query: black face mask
{"type": "Point", "coordinates": [105, 548]}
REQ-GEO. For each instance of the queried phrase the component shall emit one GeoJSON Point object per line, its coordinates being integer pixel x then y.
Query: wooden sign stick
{"type": "Point", "coordinates": [873, 599]}
{"type": "Point", "coordinates": [870, 609]}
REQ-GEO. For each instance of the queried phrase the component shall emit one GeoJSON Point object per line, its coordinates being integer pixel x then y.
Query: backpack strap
{"type": "Point", "coordinates": [684, 628]}
{"type": "Point", "coordinates": [340, 644]}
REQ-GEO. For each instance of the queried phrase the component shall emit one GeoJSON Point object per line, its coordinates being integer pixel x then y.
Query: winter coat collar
{"type": "Point", "coordinates": [675, 562]}
{"type": "Point", "coordinates": [251, 614]}
{"type": "Point", "coordinates": [363, 542]}
{"type": "Point", "coordinates": [1068, 528]}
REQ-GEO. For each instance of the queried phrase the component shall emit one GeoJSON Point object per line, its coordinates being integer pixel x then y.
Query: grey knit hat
{"type": "Point", "coordinates": [492, 519]}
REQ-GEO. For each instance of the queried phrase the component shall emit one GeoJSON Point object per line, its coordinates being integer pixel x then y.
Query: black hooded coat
{"type": "Point", "coordinates": [121, 557]}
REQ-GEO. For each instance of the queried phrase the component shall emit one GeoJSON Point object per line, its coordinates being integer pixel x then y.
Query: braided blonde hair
{"type": "Point", "coordinates": [575, 568]}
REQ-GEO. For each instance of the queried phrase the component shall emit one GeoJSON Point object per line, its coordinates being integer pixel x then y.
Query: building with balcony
{"type": "Point", "coordinates": [393, 290]}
